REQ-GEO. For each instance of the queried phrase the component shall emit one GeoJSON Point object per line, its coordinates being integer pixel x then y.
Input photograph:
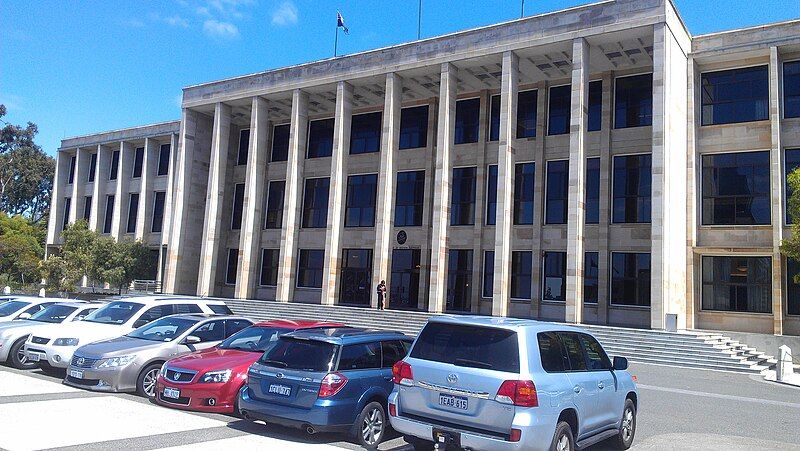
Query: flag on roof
{"type": "Point", "coordinates": [340, 22]}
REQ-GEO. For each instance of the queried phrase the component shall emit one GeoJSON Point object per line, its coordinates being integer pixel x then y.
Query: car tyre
{"type": "Point", "coordinates": [563, 440]}
{"type": "Point", "coordinates": [146, 382]}
{"type": "Point", "coordinates": [627, 427]}
{"type": "Point", "coordinates": [370, 426]}
{"type": "Point", "coordinates": [17, 357]}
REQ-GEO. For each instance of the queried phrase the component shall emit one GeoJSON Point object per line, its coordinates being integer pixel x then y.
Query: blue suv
{"type": "Point", "coordinates": [326, 380]}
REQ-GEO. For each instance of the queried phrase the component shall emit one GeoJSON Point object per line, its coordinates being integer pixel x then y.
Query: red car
{"type": "Point", "coordinates": [209, 380]}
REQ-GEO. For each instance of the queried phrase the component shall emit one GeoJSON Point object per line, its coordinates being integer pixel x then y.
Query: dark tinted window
{"type": "Point", "coordinates": [360, 201]}
{"type": "Point", "coordinates": [592, 204]}
{"type": "Point", "coordinates": [238, 206]}
{"type": "Point", "coordinates": [158, 211]}
{"type": "Point", "coordinates": [468, 346]}
{"type": "Point", "coordinates": [555, 276]}
{"type": "Point", "coordinates": [315, 203]}
{"type": "Point", "coordinates": [163, 159]}
{"type": "Point", "coordinates": [114, 313]}
{"type": "Point", "coordinates": [491, 195]}
{"type": "Point", "coordinates": [571, 342]}
{"type": "Point", "coordinates": [154, 313]}
{"type": "Point", "coordinates": [462, 206]}
{"type": "Point", "coordinates": [269, 266]}
{"type": "Point", "coordinates": [232, 267]}
{"type": "Point", "coordinates": [792, 287]}
{"type": "Point", "coordinates": [488, 274]}
{"type": "Point", "coordinates": [554, 357]}
{"type": "Point", "coordinates": [220, 309]}
{"type": "Point", "coordinates": [459, 280]}
{"type": "Point", "coordinates": [556, 192]}
{"type": "Point", "coordinates": [280, 142]}
{"type": "Point", "coordinates": [244, 145]}
{"type": "Point", "coordinates": [633, 101]}
{"type": "Point", "coordinates": [630, 279]}
{"type": "Point", "coordinates": [791, 89]}
{"type": "Point", "coordinates": [792, 162]}
{"type": "Point", "coordinates": [467, 121]}
{"type": "Point", "coordinates": [596, 357]}
{"type": "Point", "coordinates": [392, 352]}
{"type": "Point", "coordinates": [38, 308]}
{"type": "Point", "coordinates": [138, 160]}
{"type": "Point", "coordinates": [133, 212]}
{"type": "Point", "coordinates": [526, 113]}
{"type": "Point", "coordinates": [53, 314]}
{"type": "Point", "coordinates": [65, 217]}
{"type": "Point", "coordinates": [361, 356]}
{"type": "Point", "coordinates": [92, 167]}
{"type": "Point", "coordinates": [254, 338]}
{"type": "Point", "coordinates": [494, 118]}
{"type": "Point", "coordinates": [632, 189]}
{"type": "Point", "coordinates": [590, 277]}
{"type": "Point", "coordinates": [109, 214]}
{"type": "Point", "coordinates": [521, 272]}
{"type": "Point", "coordinates": [365, 133]}
{"type": "Point", "coordinates": [211, 331]}
{"type": "Point", "coordinates": [161, 329]}
{"type": "Point", "coordinates": [114, 167]}
{"type": "Point", "coordinates": [595, 105]}
{"type": "Point", "coordinates": [736, 189]}
{"type": "Point", "coordinates": [414, 127]}
{"type": "Point", "coordinates": [274, 214]}
{"type": "Point", "coordinates": [233, 326]}
{"type": "Point", "coordinates": [87, 208]}
{"type": "Point", "coordinates": [410, 199]}
{"type": "Point", "coordinates": [9, 307]}
{"type": "Point", "coordinates": [738, 95]}
{"type": "Point", "coordinates": [309, 268]}
{"type": "Point", "coordinates": [737, 284]}
{"type": "Point", "coordinates": [187, 308]}
{"type": "Point", "coordinates": [320, 138]}
{"type": "Point", "coordinates": [307, 355]}
{"type": "Point", "coordinates": [559, 110]}
{"type": "Point", "coordinates": [523, 193]}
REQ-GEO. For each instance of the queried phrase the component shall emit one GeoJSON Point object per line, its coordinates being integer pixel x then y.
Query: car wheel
{"type": "Point", "coordinates": [146, 383]}
{"type": "Point", "coordinates": [370, 426]}
{"type": "Point", "coordinates": [563, 439]}
{"type": "Point", "coordinates": [627, 427]}
{"type": "Point", "coordinates": [17, 356]}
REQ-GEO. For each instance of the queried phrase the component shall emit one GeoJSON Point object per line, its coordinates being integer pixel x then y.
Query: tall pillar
{"type": "Point", "coordinates": [448, 89]}
{"type": "Point", "coordinates": [390, 143]}
{"type": "Point", "coordinates": [212, 227]}
{"type": "Point", "coordinates": [119, 224]}
{"type": "Point", "coordinates": [79, 183]}
{"type": "Point", "coordinates": [146, 196]}
{"type": "Point", "coordinates": [298, 137]}
{"type": "Point", "coordinates": [776, 180]}
{"type": "Point", "coordinates": [333, 234]}
{"type": "Point", "coordinates": [501, 295]}
{"type": "Point", "coordinates": [692, 186]}
{"type": "Point", "coordinates": [255, 184]}
{"type": "Point", "coordinates": [57, 202]}
{"type": "Point", "coordinates": [542, 100]}
{"type": "Point", "coordinates": [172, 184]}
{"type": "Point", "coordinates": [579, 117]}
{"type": "Point", "coordinates": [99, 193]}
{"type": "Point", "coordinates": [604, 216]}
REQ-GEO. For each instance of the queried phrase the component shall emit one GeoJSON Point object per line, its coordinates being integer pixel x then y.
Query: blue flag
{"type": "Point", "coordinates": [340, 22]}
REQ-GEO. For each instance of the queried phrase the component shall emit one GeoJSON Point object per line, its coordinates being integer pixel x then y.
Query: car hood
{"type": "Point", "coordinates": [19, 323]}
{"type": "Point", "coordinates": [119, 346]}
{"type": "Point", "coordinates": [86, 332]}
{"type": "Point", "coordinates": [22, 327]}
{"type": "Point", "coordinates": [216, 359]}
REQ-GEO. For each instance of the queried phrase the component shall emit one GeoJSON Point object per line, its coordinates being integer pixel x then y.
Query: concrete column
{"type": "Point", "coordinates": [79, 184]}
{"type": "Point", "coordinates": [121, 200]}
{"type": "Point", "coordinates": [501, 295]}
{"type": "Point", "coordinates": [692, 184]}
{"type": "Point", "coordinates": [776, 180]}
{"type": "Point", "coordinates": [538, 200]}
{"type": "Point", "coordinates": [603, 257]}
{"type": "Point", "coordinates": [212, 227]}
{"type": "Point", "coordinates": [448, 89]}
{"type": "Point", "coordinates": [579, 116]}
{"type": "Point", "coordinates": [172, 177]}
{"type": "Point", "coordinates": [149, 168]}
{"type": "Point", "coordinates": [384, 208]}
{"type": "Point", "coordinates": [333, 234]}
{"type": "Point", "coordinates": [99, 194]}
{"type": "Point", "coordinates": [57, 199]}
{"type": "Point", "coordinates": [292, 203]}
{"type": "Point", "coordinates": [255, 185]}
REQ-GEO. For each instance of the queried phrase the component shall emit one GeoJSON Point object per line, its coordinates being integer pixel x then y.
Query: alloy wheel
{"type": "Point", "coordinates": [23, 359]}
{"type": "Point", "coordinates": [563, 443]}
{"type": "Point", "coordinates": [149, 382]}
{"type": "Point", "coordinates": [627, 424]}
{"type": "Point", "coordinates": [372, 427]}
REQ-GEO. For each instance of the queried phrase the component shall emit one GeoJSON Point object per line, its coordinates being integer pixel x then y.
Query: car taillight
{"type": "Point", "coordinates": [402, 374]}
{"type": "Point", "coordinates": [518, 393]}
{"type": "Point", "coordinates": [393, 410]}
{"type": "Point", "coordinates": [515, 435]}
{"type": "Point", "coordinates": [332, 383]}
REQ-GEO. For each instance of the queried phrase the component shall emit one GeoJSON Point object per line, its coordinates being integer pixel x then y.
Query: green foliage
{"type": "Point", "coordinates": [790, 247]}
{"type": "Point", "coordinates": [20, 250]}
{"type": "Point", "coordinates": [56, 271]}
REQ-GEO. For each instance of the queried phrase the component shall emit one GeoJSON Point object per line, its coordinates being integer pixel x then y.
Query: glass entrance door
{"type": "Point", "coordinates": [404, 292]}
{"type": "Point", "coordinates": [356, 279]}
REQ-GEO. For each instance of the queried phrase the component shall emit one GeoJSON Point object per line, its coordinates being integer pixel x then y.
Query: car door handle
{"type": "Point", "coordinates": [600, 385]}
{"type": "Point", "coordinates": [577, 389]}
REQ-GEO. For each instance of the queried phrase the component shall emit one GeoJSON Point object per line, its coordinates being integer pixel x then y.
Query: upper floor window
{"type": "Point", "coordinates": [360, 202]}
{"type": "Point", "coordinates": [138, 162]}
{"type": "Point", "coordinates": [238, 206]}
{"type": "Point", "coordinates": [494, 118]}
{"type": "Point", "coordinates": [737, 95]}
{"type": "Point", "coordinates": [523, 193]}
{"type": "Point", "coordinates": [133, 212]}
{"type": "Point", "coordinates": [467, 121]}
{"type": "Point", "coordinates": [114, 168]}
{"type": "Point", "coordinates": [527, 102]}
{"type": "Point", "coordinates": [163, 159]}
{"type": "Point", "coordinates": [315, 203]}
{"type": "Point", "coordinates": [632, 189]}
{"type": "Point", "coordinates": [737, 284]}
{"type": "Point", "coordinates": [630, 279]}
{"type": "Point", "coordinates": [244, 146]}
{"type": "Point", "coordinates": [633, 101]}
{"type": "Point", "coordinates": [791, 89]}
{"type": "Point", "coordinates": [556, 192]}
{"type": "Point", "coordinates": [592, 202]}
{"type": "Point", "coordinates": [280, 142]}
{"type": "Point", "coordinates": [109, 216]}
{"type": "Point", "coordinates": [491, 195]}
{"type": "Point", "coordinates": [409, 199]}
{"type": "Point", "coordinates": [320, 138]}
{"type": "Point", "coordinates": [559, 110]}
{"type": "Point", "coordinates": [92, 167]}
{"type": "Point", "coordinates": [792, 162]}
{"type": "Point", "coordinates": [158, 211]}
{"type": "Point", "coordinates": [274, 215]}
{"type": "Point", "coordinates": [71, 169]}
{"type": "Point", "coordinates": [365, 133]}
{"type": "Point", "coordinates": [462, 206]}
{"type": "Point", "coordinates": [736, 189]}
{"type": "Point", "coordinates": [414, 127]}
{"type": "Point", "coordinates": [595, 105]}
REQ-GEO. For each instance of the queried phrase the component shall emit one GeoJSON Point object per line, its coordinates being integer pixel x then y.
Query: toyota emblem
{"type": "Point", "coordinates": [452, 378]}
{"type": "Point", "coordinates": [279, 375]}
{"type": "Point", "coordinates": [80, 361]}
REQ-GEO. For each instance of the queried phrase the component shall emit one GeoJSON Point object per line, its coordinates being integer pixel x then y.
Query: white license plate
{"type": "Point", "coordinates": [172, 393]}
{"type": "Point", "coordinates": [76, 374]}
{"type": "Point", "coordinates": [282, 390]}
{"type": "Point", "coordinates": [33, 357]}
{"type": "Point", "coordinates": [454, 402]}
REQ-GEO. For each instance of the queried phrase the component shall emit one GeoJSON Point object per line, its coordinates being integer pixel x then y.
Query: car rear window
{"type": "Point", "coordinates": [11, 306]}
{"type": "Point", "coordinates": [220, 309]}
{"type": "Point", "coordinates": [305, 355]}
{"type": "Point", "coordinates": [470, 346]}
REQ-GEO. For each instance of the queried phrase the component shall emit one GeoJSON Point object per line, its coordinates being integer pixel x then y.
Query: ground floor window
{"type": "Point", "coordinates": [488, 274]}
{"type": "Point", "coordinates": [404, 290]}
{"type": "Point", "coordinates": [792, 287]}
{"type": "Point", "coordinates": [521, 274]}
{"type": "Point", "coordinates": [269, 267]}
{"type": "Point", "coordinates": [630, 279]}
{"type": "Point", "coordinates": [356, 282]}
{"type": "Point", "coordinates": [737, 284]}
{"type": "Point", "coordinates": [232, 267]}
{"type": "Point", "coordinates": [309, 268]}
{"type": "Point", "coordinates": [590, 277]}
{"type": "Point", "coordinates": [459, 280]}
{"type": "Point", "coordinates": [555, 276]}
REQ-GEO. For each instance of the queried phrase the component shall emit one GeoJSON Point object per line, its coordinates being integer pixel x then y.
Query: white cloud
{"type": "Point", "coordinates": [223, 30]}
{"type": "Point", "coordinates": [176, 21]}
{"type": "Point", "coordinates": [286, 14]}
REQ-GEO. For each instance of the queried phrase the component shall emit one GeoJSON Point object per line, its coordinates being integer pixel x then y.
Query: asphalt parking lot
{"type": "Point", "coordinates": [679, 409]}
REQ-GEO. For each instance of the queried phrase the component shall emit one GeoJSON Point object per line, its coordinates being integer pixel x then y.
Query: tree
{"type": "Point", "coordinates": [790, 247]}
{"type": "Point", "coordinates": [78, 251]}
{"type": "Point", "coordinates": [26, 172]}
{"type": "Point", "coordinates": [55, 270]}
{"type": "Point", "coordinates": [120, 263]}
{"type": "Point", "coordinates": [20, 250]}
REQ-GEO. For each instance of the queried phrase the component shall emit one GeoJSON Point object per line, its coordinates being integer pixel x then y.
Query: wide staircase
{"type": "Point", "coordinates": [702, 350]}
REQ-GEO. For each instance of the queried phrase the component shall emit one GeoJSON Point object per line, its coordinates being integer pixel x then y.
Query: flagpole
{"type": "Point", "coordinates": [522, 10]}
{"type": "Point", "coordinates": [336, 41]}
{"type": "Point", "coordinates": [419, 20]}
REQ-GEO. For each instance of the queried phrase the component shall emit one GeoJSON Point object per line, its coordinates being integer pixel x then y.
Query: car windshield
{"type": "Point", "coordinates": [488, 348]}
{"type": "Point", "coordinates": [164, 329]}
{"type": "Point", "coordinates": [304, 355]}
{"type": "Point", "coordinates": [53, 314]}
{"type": "Point", "coordinates": [114, 313]}
{"type": "Point", "coordinates": [220, 309]}
{"type": "Point", "coordinates": [8, 308]}
{"type": "Point", "coordinates": [253, 339]}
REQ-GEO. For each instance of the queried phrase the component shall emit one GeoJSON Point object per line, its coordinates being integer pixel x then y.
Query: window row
{"type": "Point", "coordinates": [113, 167]}
{"type": "Point", "coordinates": [156, 224]}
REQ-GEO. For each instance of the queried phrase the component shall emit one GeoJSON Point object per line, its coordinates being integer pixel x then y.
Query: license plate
{"type": "Point", "coordinates": [455, 402]}
{"type": "Point", "coordinates": [76, 374]}
{"type": "Point", "coordinates": [33, 357]}
{"type": "Point", "coordinates": [172, 393]}
{"type": "Point", "coordinates": [282, 390]}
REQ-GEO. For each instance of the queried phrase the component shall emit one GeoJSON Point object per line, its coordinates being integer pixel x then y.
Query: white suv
{"type": "Point", "coordinates": [55, 344]}
{"type": "Point", "coordinates": [22, 307]}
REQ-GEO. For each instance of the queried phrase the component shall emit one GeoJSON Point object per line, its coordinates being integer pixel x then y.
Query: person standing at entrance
{"type": "Point", "coordinates": [381, 289]}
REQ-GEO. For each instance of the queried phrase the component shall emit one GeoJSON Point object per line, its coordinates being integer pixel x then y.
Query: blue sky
{"type": "Point", "coordinates": [81, 67]}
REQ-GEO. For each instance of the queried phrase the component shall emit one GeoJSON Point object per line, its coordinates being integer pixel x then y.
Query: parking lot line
{"type": "Point", "coordinates": [252, 442]}
{"type": "Point", "coordinates": [13, 384]}
{"type": "Point", "coordinates": [793, 405]}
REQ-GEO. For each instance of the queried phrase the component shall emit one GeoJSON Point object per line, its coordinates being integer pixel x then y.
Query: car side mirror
{"type": "Point", "coordinates": [620, 363]}
{"type": "Point", "coordinates": [24, 316]}
{"type": "Point", "coordinates": [191, 340]}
